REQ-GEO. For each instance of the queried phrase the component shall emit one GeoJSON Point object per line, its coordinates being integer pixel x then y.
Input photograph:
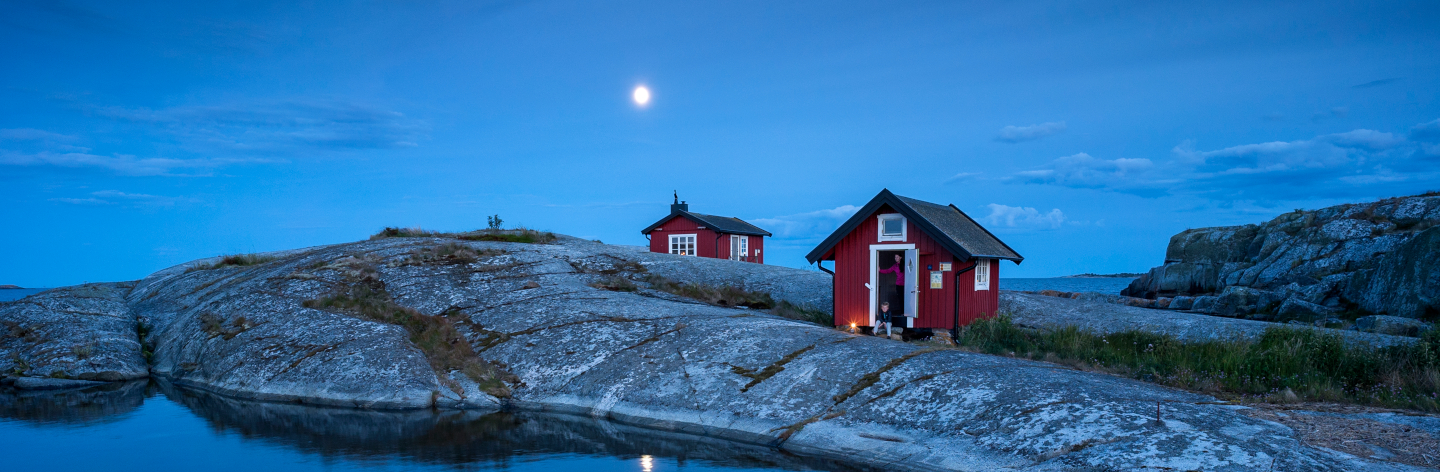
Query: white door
{"type": "Point", "coordinates": [912, 287]}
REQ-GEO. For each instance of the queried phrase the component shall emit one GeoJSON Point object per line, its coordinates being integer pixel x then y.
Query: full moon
{"type": "Point", "coordinates": [641, 95]}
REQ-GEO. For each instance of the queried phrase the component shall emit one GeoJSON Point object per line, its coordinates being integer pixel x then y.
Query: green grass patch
{"type": "Point", "coordinates": [1311, 365]}
{"type": "Point", "coordinates": [792, 311]}
{"type": "Point", "coordinates": [449, 253]}
{"type": "Point", "coordinates": [236, 260]}
{"type": "Point", "coordinates": [727, 296]}
{"type": "Point", "coordinates": [518, 235]}
{"type": "Point", "coordinates": [444, 347]}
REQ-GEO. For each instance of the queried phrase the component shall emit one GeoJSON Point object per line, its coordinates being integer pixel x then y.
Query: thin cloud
{"type": "Point", "coordinates": [113, 197]}
{"type": "Point", "coordinates": [1018, 134]}
{"type": "Point", "coordinates": [1360, 162]}
{"type": "Point", "coordinates": [961, 177]}
{"type": "Point", "coordinates": [814, 224]}
{"type": "Point", "coordinates": [31, 134]}
{"type": "Point", "coordinates": [1023, 218]}
{"type": "Point", "coordinates": [82, 201]}
{"type": "Point", "coordinates": [280, 128]}
{"type": "Point", "coordinates": [1376, 83]}
{"type": "Point", "coordinates": [120, 164]}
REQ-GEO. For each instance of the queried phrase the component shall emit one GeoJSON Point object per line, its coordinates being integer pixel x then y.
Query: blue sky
{"type": "Point", "coordinates": [141, 135]}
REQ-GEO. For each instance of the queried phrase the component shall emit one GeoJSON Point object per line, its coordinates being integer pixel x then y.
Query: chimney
{"type": "Point", "coordinates": [678, 206]}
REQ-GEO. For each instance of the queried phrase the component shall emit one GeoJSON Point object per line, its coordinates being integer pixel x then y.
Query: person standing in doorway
{"type": "Point", "coordinates": [897, 298]}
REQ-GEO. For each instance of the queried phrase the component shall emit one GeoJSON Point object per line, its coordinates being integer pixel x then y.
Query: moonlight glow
{"type": "Point", "coordinates": [641, 95]}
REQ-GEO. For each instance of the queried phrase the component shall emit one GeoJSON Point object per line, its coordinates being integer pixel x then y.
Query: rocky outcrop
{"type": "Point", "coordinates": [1038, 311]}
{"type": "Point", "coordinates": [368, 325]}
{"type": "Point", "coordinates": [85, 332]}
{"type": "Point", "coordinates": [1375, 257]}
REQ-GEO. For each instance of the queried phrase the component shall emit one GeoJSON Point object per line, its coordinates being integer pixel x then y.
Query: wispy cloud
{"type": "Point", "coordinates": [961, 177]}
{"type": "Point", "coordinates": [1361, 162]}
{"type": "Point", "coordinates": [31, 134]}
{"type": "Point", "coordinates": [819, 223]}
{"type": "Point", "coordinates": [120, 163]}
{"type": "Point", "coordinates": [113, 197]}
{"type": "Point", "coordinates": [1023, 218]}
{"type": "Point", "coordinates": [1017, 134]}
{"type": "Point", "coordinates": [1376, 83]}
{"type": "Point", "coordinates": [284, 127]}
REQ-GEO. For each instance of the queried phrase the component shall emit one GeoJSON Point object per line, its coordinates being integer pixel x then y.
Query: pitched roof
{"type": "Point", "coordinates": [949, 226]}
{"type": "Point", "coordinates": [720, 224]}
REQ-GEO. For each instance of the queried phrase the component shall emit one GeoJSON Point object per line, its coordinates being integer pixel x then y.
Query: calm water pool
{"type": "Point", "coordinates": [148, 426]}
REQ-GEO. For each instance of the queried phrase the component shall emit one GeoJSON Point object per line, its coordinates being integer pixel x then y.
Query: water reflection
{"type": "Point", "coordinates": [448, 439]}
{"type": "Point", "coordinates": [98, 404]}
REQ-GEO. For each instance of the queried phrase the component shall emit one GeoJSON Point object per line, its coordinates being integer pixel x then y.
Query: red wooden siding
{"type": "Point", "coordinates": [704, 238]}
{"type": "Point", "coordinates": [935, 306]}
{"type": "Point", "coordinates": [706, 244]}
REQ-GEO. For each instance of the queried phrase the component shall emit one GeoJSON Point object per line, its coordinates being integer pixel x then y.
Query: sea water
{"type": "Point", "coordinates": [9, 294]}
{"type": "Point", "coordinates": [1107, 285]}
{"type": "Point", "coordinates": [149, 426]}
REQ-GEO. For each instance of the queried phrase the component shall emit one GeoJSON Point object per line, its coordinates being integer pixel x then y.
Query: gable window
{"type": "Point", "coordinates": [682, 244]}
{"type": "Point", "coordinates": [892, 227]}
{"type": "Point", "coordinates": [982, 274]}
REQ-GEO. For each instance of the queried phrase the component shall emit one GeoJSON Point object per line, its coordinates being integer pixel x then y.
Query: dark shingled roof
{"type": "Point", "coordinates": [949, 226]}
{"type": "Point", "coordinates": [719, 224]}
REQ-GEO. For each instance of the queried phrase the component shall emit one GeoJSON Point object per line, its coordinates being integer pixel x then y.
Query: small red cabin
{"type": "Point", "coordinates": [950, 264]}
{"type": "Point", "coordinates": [693, 234]}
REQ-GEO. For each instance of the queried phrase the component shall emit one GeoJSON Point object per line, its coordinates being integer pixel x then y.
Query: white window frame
{"type": "Point", "coordinates": [739, 247]}
{"type": "Point", "coordinates": [982, 274]}
{"type": "Point", "coordinates": [880, 227]}
{"type": "Point", "coordinates": [694, 241]}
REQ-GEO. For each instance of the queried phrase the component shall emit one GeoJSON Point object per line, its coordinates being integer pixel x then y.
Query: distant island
{"type": "Point", "coordinates": [12, 287]}
{"type": "Point", "coordinates": [1087, 275]}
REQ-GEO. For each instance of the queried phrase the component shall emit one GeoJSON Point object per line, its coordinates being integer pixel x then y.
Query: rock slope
{"type": "Point", "coordinates": [86, 332]}
{"type": "Point", "coordinates": [290, 329]}
{"type": "Point", "coordinates": [1381, 258]}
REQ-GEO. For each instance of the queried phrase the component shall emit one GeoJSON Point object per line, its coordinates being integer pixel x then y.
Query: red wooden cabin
{"type": "Point", "coordinates": [950, 264]}
{"type": "Point", "coordinates": [687, 233]}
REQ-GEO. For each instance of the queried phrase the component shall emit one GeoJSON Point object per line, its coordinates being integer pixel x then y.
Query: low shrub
{"type": "Point", "coordinates": [1314, 365]}
{"type": "Point", "coordinates": [237, 260]}
{"type": "Point", "coordinates": [393, 232]}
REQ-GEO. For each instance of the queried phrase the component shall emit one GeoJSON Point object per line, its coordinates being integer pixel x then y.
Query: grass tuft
{"type": "Point", "coordinates": [727, 296]}
{"type": "Point", "coordinates": [445, 349]}
{"type": "Point", "coordinates": [236, 260]}
{"type": "Point", "coordinates": [1306, 364]}
{"type": "Point", "coordinates": [785, 309]}
{"type": "Point", "coordinates": [518, 235]}
{"type": "Point", "coordinates": [449, 253]}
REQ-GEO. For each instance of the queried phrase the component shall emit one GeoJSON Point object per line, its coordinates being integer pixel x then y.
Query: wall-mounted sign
{"type": "Point", "coordinates": [937, 279]}
{"type": "Point", "coordinates": [944, 266]}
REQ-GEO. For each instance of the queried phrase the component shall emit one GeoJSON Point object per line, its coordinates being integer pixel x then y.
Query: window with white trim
{"type": "Point", "coordinates": [739, 247]}
{"type": "Point", "coordinates": [682, 244]}
{"type": "Point", "coordinates": [982, 274]}
{"type": "Point", "coordinates": [892, 227]}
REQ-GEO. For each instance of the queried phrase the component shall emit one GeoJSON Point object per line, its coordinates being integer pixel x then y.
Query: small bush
{"type": "Point", "coordinates": [1313, 365]}
{"type": "Point", "coordinates": [237, 260]}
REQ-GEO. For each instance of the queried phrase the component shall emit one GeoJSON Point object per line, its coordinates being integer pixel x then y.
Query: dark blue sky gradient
{"type": "Point", "coordinates": [141, 135]}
